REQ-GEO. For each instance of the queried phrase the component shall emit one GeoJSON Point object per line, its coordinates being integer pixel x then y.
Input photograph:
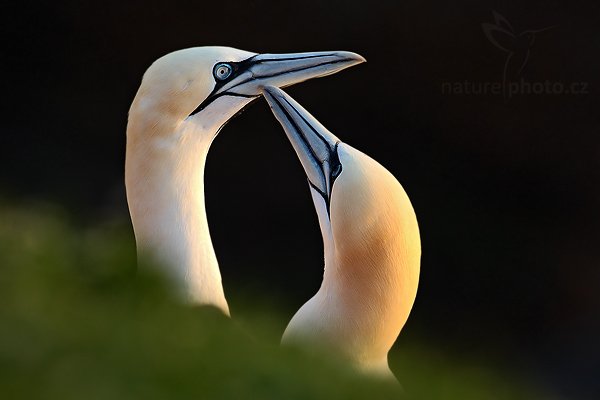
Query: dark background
{"type": "Point", "coordinates": [506, 190]}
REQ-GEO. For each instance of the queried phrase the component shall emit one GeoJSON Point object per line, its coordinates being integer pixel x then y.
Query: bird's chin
{"type": "Point", "coordinates": [220, 111]}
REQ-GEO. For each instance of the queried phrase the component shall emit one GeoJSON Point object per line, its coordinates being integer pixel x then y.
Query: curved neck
{"type": "Point", "coordinates": [164, 176]}
{"type": "Point", "coordinates": [369, 282]}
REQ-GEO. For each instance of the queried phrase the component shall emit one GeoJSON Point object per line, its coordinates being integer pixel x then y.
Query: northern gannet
{"type": "Point", "coordinates": [184, 99]}
{"type": "Point", "coordinates": [371, 244]}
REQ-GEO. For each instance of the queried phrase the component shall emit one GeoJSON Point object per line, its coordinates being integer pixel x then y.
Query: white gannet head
{"type": "Point", "coordinates": [209, 85]}
{"type": "Point", "coordinates": [371, 240]}
{"type": "Point", "coordinates": [184, 99]}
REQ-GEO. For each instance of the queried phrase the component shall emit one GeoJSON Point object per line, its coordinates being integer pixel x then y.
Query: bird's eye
{"type": "Point", "coordinates": [222, 71]}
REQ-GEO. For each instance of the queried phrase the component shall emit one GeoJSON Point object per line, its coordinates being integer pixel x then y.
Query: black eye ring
{"type": "Point", "coordinates": [222, 71]}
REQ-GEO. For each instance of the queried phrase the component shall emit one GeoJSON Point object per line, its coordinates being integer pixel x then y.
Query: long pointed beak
{"type": "Point", "coordinates": [287, 69]}
{"type": "Point", "coordinates": [315, 146]}
{"type": "Point", "coordinates": [251, 75]}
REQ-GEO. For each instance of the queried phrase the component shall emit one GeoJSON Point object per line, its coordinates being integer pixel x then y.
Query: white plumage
{"type": "Point", "coordinates": [371, 242]}
{"type": "Point", "coordinates": [184, 100]}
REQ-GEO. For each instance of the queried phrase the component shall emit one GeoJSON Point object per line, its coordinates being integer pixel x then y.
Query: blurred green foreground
{"type": "Point", "coordinates": [78, 322]}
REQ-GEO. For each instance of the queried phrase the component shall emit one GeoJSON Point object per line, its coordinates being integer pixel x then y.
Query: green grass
{"type": "Point", "coordinates": [78, 322]}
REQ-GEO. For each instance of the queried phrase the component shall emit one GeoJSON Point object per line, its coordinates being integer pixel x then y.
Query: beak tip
{"type": "Point", "coordinates": [353, 57]}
